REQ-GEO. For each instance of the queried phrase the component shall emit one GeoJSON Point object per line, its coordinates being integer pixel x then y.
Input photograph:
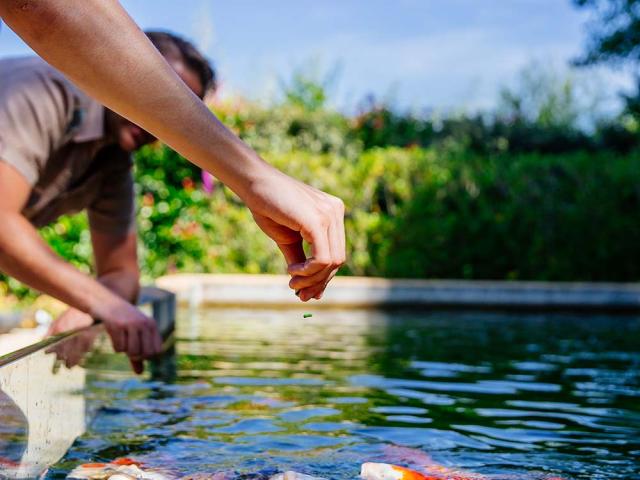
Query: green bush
{"type": "Point", "coordinates": [419, 213]}
{"type": "Point", "coordinates": [290, 127]}
{"type": "Point", "coordinates": [182, 228]}
{"type": "Point", "coordinates": [468, 197]}
{"type": "Point", "coordinates": [529, 217]}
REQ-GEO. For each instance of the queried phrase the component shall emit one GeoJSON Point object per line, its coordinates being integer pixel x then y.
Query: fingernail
{"type": "Point", "coordinates": [295, 267]}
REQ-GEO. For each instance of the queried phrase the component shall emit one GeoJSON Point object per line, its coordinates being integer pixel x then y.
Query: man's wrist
{"type": "Point", "coordinates": [123, 283]}
{"type": "Point", "coordinates": [258, 184]}
{"type": "Point", "coordinates": [249, 171]}
{"type": "Point", "coordinates": [104, 303]}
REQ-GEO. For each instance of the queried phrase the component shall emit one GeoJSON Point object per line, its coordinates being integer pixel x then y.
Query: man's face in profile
{"type": "Point", "coordinates": [131, 137]}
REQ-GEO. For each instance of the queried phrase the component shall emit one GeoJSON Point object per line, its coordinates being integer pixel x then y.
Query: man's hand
{"type": "Point", "coordinates": [72, 350]}
{"type": "Point", "coordinates": [69, 320]}
{"type": "Point", "coordinates": [131, 331]}
{"type": "Point", "coordinates": [289, 212]}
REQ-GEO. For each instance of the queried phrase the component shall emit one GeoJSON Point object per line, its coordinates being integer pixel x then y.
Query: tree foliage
{"type": "Point", "coordinates": [615, 35]}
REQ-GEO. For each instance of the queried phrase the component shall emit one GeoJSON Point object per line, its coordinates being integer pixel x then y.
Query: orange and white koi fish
{"type": "Point", "coordinates": [8, 462]}
{"type": "Point", "coordinates": [430, 468]}
{"type": "Point", "coordinates": [384, 471]}
{"type": "Point", "coordinates": [120, 469]}
{"type": "Point", "coordinates": [425, 469]}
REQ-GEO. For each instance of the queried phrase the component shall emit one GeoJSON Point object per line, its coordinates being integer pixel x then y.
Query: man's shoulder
{"type": "Point", "coordinates": [35, 77]}
{"type": "Point", "coordinates": [18, 70]}
{"type": "Point", "coordinates": [31, 62]}
{"type": "Point", "coordinates": [24, 72]}
{"type": "Point", "coordinates": [32, 81]}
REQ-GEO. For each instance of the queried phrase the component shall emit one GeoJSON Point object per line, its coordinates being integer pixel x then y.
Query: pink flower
{"type": "Point", "coordinates": [208, 184]}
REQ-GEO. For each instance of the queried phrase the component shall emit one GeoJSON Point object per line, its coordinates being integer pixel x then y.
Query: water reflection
{"type": "Point", "coordinates": [505, 396]}
{"type": "Point", "coordinates": [13, 434]}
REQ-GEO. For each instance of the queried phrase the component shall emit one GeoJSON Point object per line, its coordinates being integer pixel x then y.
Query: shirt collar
{"type": "Point", "coordinates": [90, 118]}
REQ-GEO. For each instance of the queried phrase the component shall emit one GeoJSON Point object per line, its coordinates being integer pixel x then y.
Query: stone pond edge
{"type": "Point", "coordinates": [226, 290]}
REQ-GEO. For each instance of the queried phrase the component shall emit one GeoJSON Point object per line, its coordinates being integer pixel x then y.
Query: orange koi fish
{"type": "Point", "coordinates": [8, 462]}
{"type": "Point", "coordinates": [119, 469]}
{"type": "Point", "coordinates": [430, 469]}
{"type": "Point", "coordinates": [384, 471]}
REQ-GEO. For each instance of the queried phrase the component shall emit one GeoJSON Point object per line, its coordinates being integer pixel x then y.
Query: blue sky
{"type": "Point", "coordinates": [440, 54]}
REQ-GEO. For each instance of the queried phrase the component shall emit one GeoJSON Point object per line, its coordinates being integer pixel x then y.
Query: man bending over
{"type": "Point", "coordinates": [81, 38]}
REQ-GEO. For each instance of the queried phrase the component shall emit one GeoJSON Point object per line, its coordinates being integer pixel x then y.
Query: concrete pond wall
{"type": "Point", "coordinates": [359, 292]}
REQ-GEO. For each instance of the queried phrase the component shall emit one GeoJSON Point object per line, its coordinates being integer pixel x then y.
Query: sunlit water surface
{"type": "Point", "coordinates": [500, 395]}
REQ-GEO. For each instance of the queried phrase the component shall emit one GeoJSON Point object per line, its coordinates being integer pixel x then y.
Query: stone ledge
{"type": "Point", "coordinates": [357, 292]}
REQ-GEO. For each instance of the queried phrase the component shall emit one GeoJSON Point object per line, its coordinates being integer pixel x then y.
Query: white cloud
{"type": "Point", "coordinates": [461, 65]}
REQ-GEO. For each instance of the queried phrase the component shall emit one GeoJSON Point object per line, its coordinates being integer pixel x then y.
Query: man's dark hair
{"type": "Point", "coordinates": [172, 46]}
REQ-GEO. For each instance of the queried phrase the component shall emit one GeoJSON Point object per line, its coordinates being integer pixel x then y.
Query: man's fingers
{"type": "Point", "coordinates": [118, 338]}
{"type": "Point", "coordinates": [85, 342]}
{"type": "Point", "coordinates": [341, 238]}
{"type": "Point", "coordinates": [62, 351]}
{"type": "Point", "coordinates": [318, 237]}
{"type": "Point", "coordinates": [76, 351]}
{"type": "Point", "coordinates": [326, 283]}
{"type": "Point", "coordinates": [327, 238]}
{"type": "Point", "coordinates": [311, 278]}
{"type": "Point", "coordinates": [148, 343]}
{"type": "Point", "coordinates": [152, 339]}
{"type": "Point", "coordinates": [74, 357]}
{"type": "Point", "coordinates": [293, 252]}
{"type": "Point", "coordinates": [316, 291]}
{"type": "Point", "coordinates": [336, 237]}
{"type": "Point", "coordinates": [137, 365]}
{"type": "Point", "coordinates": [299, 282]}
{"type": "Point", "coordinates": [134, 342]}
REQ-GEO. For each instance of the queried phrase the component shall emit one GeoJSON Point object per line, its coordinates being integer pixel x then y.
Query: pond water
{"type": "Point", "coordinates": [485, 395]}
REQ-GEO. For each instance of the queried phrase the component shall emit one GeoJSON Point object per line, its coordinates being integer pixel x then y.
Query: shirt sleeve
{"type": "Point", "coordinates": [34, 115]}
{"type": "Point", "coordinates": [114, 210]}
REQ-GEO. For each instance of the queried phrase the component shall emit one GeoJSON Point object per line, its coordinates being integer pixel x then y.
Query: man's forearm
{"type": "Point", "coordinates": [26, 257]}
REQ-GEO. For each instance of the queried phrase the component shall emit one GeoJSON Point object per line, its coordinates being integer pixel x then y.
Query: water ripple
{"type": "Point", "coordinates": [497, 396]}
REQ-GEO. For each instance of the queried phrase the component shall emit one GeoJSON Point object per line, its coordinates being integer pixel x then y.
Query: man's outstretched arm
{"type": "Point", "coordinates": [25, 256]}
{"type": "Point", "coordinates": [99, 47]}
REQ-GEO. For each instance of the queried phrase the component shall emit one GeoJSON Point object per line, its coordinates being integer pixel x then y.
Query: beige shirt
{"type": "Point", "coordinates": [54, 135]}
